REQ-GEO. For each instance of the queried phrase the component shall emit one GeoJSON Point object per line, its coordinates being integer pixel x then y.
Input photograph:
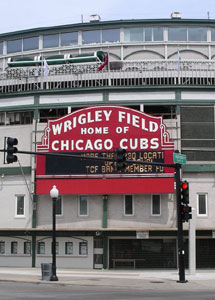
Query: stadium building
{"type": "Point", "coordinates": [147, 86]}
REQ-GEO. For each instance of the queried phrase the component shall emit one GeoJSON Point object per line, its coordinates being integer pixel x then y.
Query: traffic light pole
{"type": "Point", "coordinates": [180, 236]}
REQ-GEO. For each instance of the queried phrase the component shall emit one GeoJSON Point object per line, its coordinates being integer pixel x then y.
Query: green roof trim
{"type": "Point", "coordinates": [109, 24]}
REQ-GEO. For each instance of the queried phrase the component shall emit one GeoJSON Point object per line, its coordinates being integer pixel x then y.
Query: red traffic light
{"type": "Point", "coordinates": [184, 192]}
{"type": "Point", "coordinates": [184, 185]}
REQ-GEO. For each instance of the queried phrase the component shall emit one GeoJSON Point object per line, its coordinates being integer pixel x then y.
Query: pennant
{"type": "Point", "coordinates": [45, 68]}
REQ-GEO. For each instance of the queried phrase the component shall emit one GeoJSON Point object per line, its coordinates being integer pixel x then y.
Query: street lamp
{"type": "Point", "coordinates": [54, 195]}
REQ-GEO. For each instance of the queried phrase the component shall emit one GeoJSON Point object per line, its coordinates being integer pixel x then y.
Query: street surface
{"type": "Point", "coordinates": [149, 290]}
{"type": "Point", "coordinates": [85, 284]}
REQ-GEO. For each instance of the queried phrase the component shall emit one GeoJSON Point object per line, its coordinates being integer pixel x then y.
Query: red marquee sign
{"type": "Point", "coordinates": [97, 132]}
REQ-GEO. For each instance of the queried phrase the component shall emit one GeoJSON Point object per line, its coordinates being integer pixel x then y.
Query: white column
{"type": "Point", "coordinates": [192, 243]}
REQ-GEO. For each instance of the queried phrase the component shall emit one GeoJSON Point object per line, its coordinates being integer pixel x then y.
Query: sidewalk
{"type": "Point", "coordinates": [101, 277]}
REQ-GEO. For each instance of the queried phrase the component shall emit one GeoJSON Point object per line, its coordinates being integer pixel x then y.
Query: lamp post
{"type": "Point", "coordinates": [54, 195]}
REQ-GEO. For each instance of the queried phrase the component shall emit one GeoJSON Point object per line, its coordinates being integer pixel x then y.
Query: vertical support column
{"type": "Point", "coordinates": [192, 243]}
{"type": "Point", "coordinates": [34, 212]}
{"type": "Point", "coordinates": [105, 252]}
{"type": "Point", "coordinates": [104, 216]}
{"type": "Point", "coordinates": [33, 255]}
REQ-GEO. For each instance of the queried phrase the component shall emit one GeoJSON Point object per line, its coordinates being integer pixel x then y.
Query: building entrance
{"type": "Point", "coordinates": [141, 253]}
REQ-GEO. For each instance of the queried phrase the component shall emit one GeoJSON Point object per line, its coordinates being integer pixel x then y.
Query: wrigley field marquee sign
{"type": "Point", "coordinates": [97, 132]}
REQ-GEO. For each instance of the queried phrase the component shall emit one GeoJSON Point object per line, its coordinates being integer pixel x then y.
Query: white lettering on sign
{"type": "Point", "coordinates": [85, 118]}
{"type": "Point", "coordinates": [81, 145]}
{"type": "Point", "coordinates": [137, 121]}
{"type": "Point", "coordinates": [103, 116]}
{"type": "Point", "coordinates": [99, 144]}
{"type": "Point", "coordinates": [96, 130]}
{"type": "Point", "coordinates": [142, 143]}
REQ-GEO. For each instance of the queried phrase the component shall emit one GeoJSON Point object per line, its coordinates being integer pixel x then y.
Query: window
{"type": "Point", "coordinates": [83, 248]}
{"type": "Point", "coordinates": [27, 247]}
{"type": "Point", "coordinates": [50, 40]}
{"type": "Point", "coordinates": [14, 46]}
{"type": "Point", "coordinates": [14, 247]}
{"type": "Point", "coordinates": [156, 205]}
{"type": "Point", "coordinates": [89, 37]}
{"type": "Point", "coordinates": [143, 34]}
{"type": "Point", "coordinates": [177, 34]}
{"type": "Point", "coordinates": [157, 34]}
{"type": "Point", "coordinates": [197, 130]}
{"type": "Point", "coordinates": [83, 207]}
{"type": "Point", "coordinates": [2, 247]}
{"type": "Point", "coordinates": [14, 118]}
{"type": "Point", "coordinates": [20, 205]}
{"type": "Point", "coordinates": [1, 47]}
{"type": "Point", "coordinates": [202, 204]}
{"type": "Point", "coordinates": [166, 111]}
{"type": "Point", "coordinates": [41, 248]}
{"type": "Point", "coordinates": [69, 248]}
{"type": "Point", "coordinates": [69, 38]}
{"type": "Point", "coordinates": [128, 205]}
{"type": "Point", "coordinates": [197, 34]}
{"type": "Point", "coordinates": [148, 34]}
{"type": "Point", "coordinates": [110, 35]}
{"type": "Point", "coordinates": [212, 34]}
{"type": "Point", "coordinates": [59, 206]}
{"type": "Point", "coordinates": [187, 34]}
{"type": "Point", "coordinates": [51, 113]}
{"type": "Point", "coordinates": [133, 35]}
{"type": "Point", "coordinates": [30, 43]}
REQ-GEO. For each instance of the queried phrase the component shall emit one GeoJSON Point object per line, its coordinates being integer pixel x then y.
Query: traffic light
{"type": "Point", "coordinates": [11, 142]}
{"type": "Point", "coordinates": [120, 159]}
{"type": "Point", "coordinates": [185, 192]}
{"type": "Point", "coordinates": [186, 213]}
{"type": "Point", "coordinates": [186, 210]}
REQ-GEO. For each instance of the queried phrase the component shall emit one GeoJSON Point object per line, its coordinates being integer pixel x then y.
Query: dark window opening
{"type": "Point", "coordinates": [16, 117]}
{"type": "Point", "coordinates": [197, 132]}
{"type": "Point", "coordinates": [52, 113]}
{"type": "Point", "coordinates": [166, 111]}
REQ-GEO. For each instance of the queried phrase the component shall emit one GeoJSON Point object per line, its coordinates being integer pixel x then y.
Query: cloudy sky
{"type": "Point", "coordinates": [25, 14]}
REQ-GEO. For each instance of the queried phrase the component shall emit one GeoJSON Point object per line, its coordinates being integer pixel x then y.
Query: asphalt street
{"type": "Point", "coordinates": [149, 290]}
{"type": "Point", "coordinates": [27, 283]}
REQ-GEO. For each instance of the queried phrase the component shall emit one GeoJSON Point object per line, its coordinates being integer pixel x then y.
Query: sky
{"type": "Point", "coordinates": [26, 14]}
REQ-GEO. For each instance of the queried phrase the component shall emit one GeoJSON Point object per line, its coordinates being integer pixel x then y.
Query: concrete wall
{"type": "Point", "coordinates": [141, 218]}
{"type": "Point", "coordinates": [64, 261]}
{"type": "Point", "coordinates": [24, 135]}
{"type": "Point", "coordinates": [15, 260]}
{"type": "Point", "coordinates": [68, 261]}
{"type": "Point", "coordinates": [10, 186]}
{"type": "Point", "coordinates": [202, 183]}
{"type": "Point", "coordinates": [70, 218]}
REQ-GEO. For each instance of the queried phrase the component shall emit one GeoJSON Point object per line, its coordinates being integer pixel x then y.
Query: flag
{"type": "Point", "coordinates": [45, 68]}
{"type": "Point", "coordinates": [105, 63]}
{"type": "Point", "coordinates": [178, 61]}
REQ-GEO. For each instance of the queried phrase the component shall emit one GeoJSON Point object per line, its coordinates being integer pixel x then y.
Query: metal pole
{"type": "Point", "coordinates": [54, 276]}
{"type": "Point", "coordinates": [180, 227]}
